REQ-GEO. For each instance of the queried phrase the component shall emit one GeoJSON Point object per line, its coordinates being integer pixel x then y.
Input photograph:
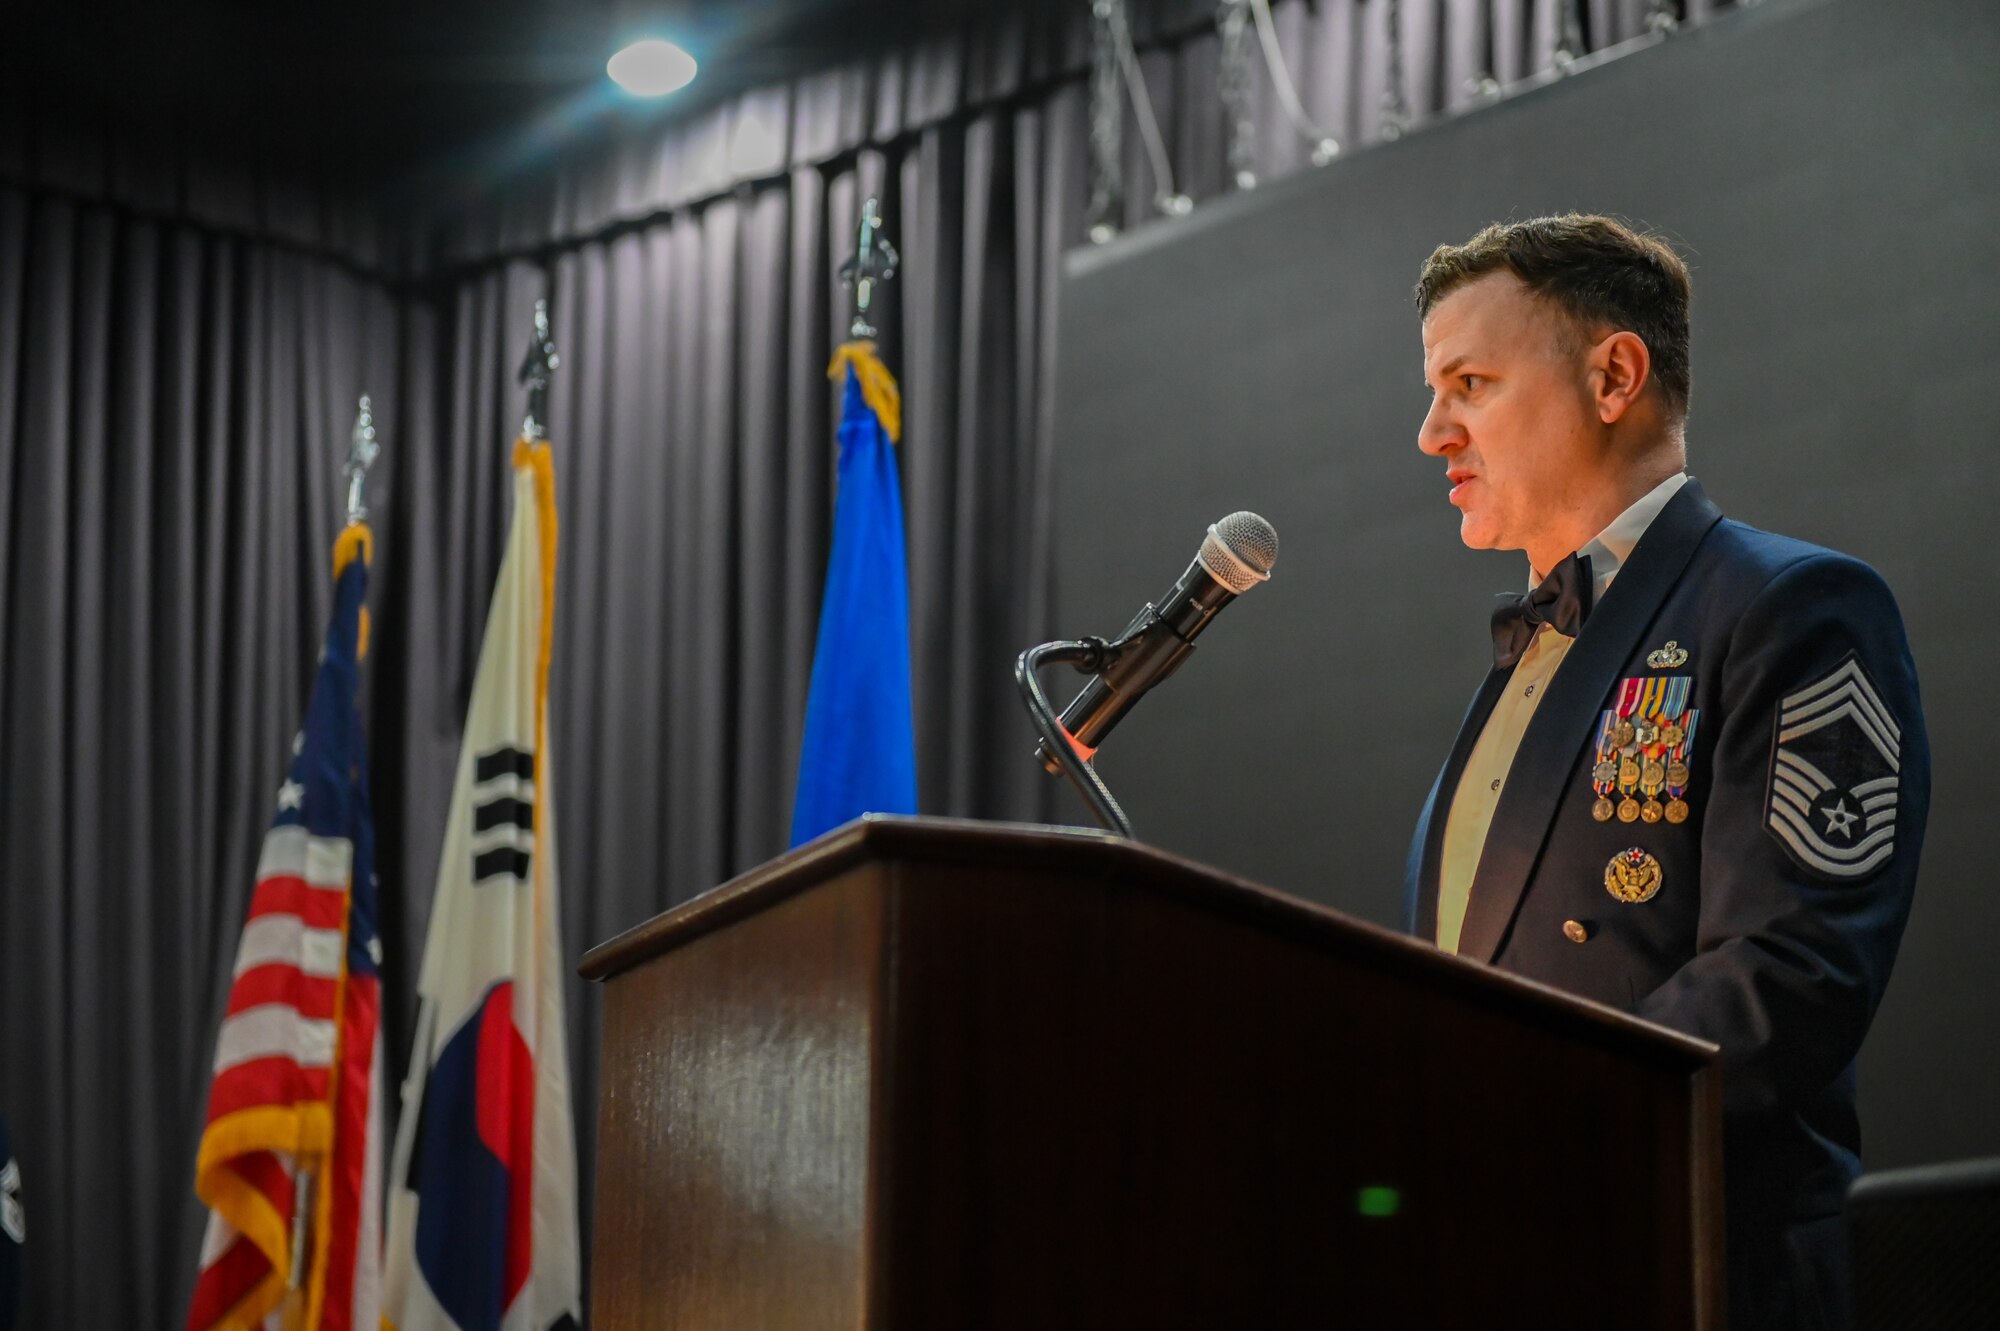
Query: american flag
{"type": "Point", "coordinates": [290, 1161]}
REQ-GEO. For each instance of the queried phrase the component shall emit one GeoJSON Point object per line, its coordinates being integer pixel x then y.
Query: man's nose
{"type": "Point", "coordinates": [1439, 432]}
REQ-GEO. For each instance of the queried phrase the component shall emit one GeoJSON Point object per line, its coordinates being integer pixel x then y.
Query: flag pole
{"type": "Point", "coordinates": [874, 262]}
{"type": "Point", "coordinates": [536, 367]}
{"type": "Point", "coordinates": [362, 450]}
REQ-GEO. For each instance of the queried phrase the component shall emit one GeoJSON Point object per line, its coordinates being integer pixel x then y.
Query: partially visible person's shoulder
{"type": "Point", "coordinates": [1769, 553]}
{"type": "Point", "coordinates": [1753, 584]}
{"type": "Point", "coordinates": [1738, 562]}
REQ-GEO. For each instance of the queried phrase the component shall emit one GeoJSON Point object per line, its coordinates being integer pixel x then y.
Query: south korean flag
{"type": "Point", "coordinates": [1834, 775]}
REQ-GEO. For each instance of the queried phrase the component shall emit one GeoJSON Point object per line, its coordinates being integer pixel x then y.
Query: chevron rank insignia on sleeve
{"type": "Point", "coordinates": [1834, 775]}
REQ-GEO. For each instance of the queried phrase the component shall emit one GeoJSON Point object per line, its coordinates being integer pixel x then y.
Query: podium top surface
{"type": "Point", "coordinates": [1033, 847]}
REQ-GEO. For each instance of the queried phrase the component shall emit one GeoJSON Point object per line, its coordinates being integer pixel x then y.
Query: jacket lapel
{"type": "Point", "coordinates": [1564, 720]}
{"type": "Point", "coordinates": [1423, 886]}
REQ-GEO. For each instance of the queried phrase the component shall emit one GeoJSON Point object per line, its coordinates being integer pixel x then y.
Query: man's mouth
{"type": "Point", "coordinates": [1459, 480]}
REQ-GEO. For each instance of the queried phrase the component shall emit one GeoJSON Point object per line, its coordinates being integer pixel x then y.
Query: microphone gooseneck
{"type": "Point", "coordinates": [1237, 553]}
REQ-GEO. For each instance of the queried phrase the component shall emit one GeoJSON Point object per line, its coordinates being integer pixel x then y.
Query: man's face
{"type": "Point", "coordinates": [1511, 414]}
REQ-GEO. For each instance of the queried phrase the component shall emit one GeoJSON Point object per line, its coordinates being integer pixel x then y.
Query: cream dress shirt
{"type": "Point", "coordinates": [1492, 757]}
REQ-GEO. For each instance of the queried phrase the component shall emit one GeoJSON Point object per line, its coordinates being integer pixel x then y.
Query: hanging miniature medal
{"type": "Point", "coordinates": [1624, 737]}
{"type": "Point", "coordinates": [1604, 776]}
{"type": "Point", "coordinates": [1679, 769]}
{"type": "Point", "coordinates": [1646, 731]}
{"type": "Point", "coordinates": [1625, 733]}
{"type": "Point", "coordinates": [1647, 735]}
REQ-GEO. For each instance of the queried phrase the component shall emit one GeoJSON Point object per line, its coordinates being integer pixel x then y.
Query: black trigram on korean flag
{"type": "Point", "coordinates": [1835, 775]}
{"type": "Point", "coordinates": [503, 815]}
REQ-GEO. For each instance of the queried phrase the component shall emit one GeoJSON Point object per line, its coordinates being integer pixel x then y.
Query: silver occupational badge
{"type": "Point", "coordinates": [1670, 657]}
{"type": "Point", "coordinates": [1835, 773]}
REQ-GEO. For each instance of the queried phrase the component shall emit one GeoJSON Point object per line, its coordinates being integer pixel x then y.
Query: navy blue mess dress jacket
{"type": "Point", "coordinates": [1781, 897]}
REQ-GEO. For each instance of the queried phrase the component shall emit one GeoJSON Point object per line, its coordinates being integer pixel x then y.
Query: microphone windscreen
{"type": "Point", "coordinates": [1239, 551]}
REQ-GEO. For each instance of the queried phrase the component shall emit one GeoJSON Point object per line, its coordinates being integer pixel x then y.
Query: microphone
{"type": "Point", "coordinates": [1236, 555]}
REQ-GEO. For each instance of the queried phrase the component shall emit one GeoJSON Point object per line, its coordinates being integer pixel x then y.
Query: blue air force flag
{"type": "Point", "coordinates": [860, 750]}
{"type": "Point", "coordinates": [482, 1201]}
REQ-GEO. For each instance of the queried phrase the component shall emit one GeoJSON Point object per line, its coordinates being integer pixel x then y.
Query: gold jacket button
{"type": "Point", "coordinates": [1574, 931]}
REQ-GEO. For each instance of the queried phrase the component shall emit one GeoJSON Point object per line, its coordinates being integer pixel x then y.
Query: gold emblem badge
{"type": "Point", "coordinates": [1670, 657]}
{"type": "Point", "coordinates": [1632, 876]}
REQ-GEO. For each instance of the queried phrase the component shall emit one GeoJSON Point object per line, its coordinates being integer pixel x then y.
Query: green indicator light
{"type": "Point", "coordinates": [1378, 1201]}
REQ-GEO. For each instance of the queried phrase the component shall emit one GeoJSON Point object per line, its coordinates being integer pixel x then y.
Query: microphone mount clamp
{"type": "Point", "coordinates": [1058, 750]}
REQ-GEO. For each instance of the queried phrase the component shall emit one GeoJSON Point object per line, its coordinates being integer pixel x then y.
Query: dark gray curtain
{"type": "Point", "coordinates": [181, 341]}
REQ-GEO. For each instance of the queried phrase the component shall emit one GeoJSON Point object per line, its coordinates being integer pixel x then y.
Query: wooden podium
{"type": "Point", "coordinates": [923, 1074]}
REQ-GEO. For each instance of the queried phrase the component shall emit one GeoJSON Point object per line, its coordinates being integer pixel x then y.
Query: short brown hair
{"type": "Point", "coordinates": [1598, 271]}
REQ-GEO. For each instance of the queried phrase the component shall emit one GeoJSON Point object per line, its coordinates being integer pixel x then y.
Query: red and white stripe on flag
{"type": "Point", "coordinates": [289, 1163]}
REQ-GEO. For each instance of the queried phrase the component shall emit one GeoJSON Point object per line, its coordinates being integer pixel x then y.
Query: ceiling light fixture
{"type": "Point", "coordinates": [651, 68]}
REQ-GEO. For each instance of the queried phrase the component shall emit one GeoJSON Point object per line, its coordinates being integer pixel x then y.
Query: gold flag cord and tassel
{"type": "Point", "coordinates": [878, 386]}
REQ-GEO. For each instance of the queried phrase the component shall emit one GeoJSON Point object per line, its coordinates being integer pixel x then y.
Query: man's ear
{"type": "Point", "coordinates": [1620, 368]}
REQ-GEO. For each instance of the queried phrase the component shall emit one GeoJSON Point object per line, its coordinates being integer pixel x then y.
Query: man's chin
{"type": "Point", "coordinates": [1477, 534]}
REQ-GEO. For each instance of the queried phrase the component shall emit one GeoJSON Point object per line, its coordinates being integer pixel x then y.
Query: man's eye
{"type": "Point", "coordinates": [1472, 381]}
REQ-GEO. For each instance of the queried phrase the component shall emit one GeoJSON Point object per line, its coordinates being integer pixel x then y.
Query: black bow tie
{"type": "Point", "coordinates": [1562, 601]}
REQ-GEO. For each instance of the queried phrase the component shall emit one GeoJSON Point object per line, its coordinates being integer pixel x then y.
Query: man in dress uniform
{"type": "Point", "coordinates": [1693, 786]}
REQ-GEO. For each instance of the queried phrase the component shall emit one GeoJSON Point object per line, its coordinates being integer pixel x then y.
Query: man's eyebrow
{"type": "Point", "coordinates": [1444, 370]}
